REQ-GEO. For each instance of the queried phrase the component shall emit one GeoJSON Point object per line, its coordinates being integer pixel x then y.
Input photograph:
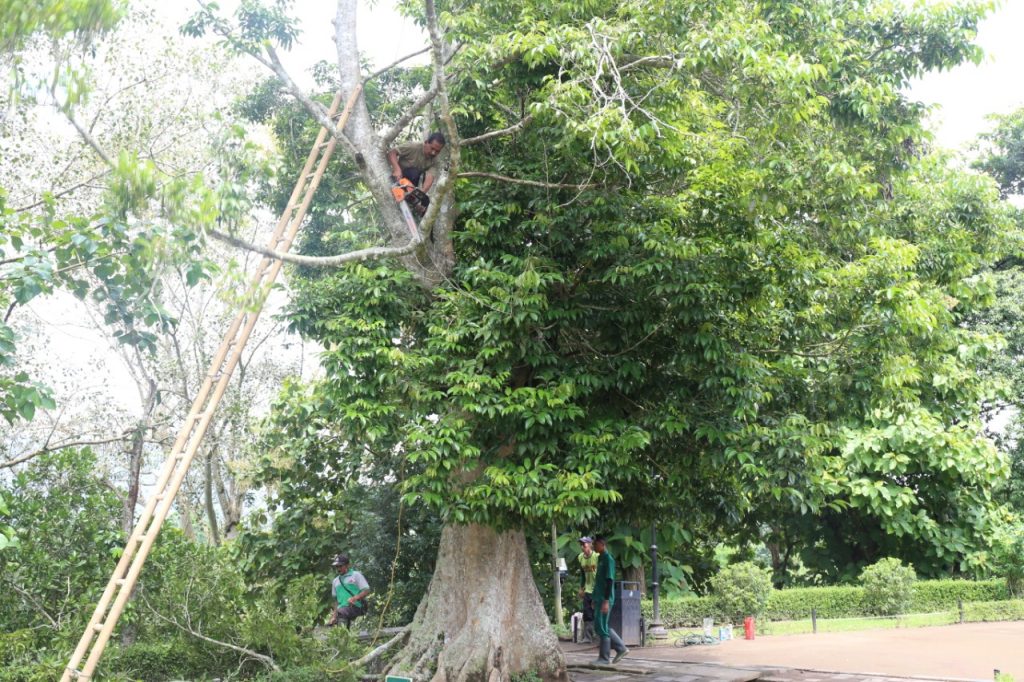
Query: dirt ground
{"type": "Point", "coordinates": [970, 651]}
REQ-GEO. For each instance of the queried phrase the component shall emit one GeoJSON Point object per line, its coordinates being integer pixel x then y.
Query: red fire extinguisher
{"type": "Point", "coordinates": [748, 627]}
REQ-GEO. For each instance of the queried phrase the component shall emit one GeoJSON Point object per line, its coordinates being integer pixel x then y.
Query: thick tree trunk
{"type": "Point", "coordinates": [482, 619]}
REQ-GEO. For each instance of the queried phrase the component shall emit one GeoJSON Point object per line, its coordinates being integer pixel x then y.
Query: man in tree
{"type": "Point", "coordinates": [604, 598]}
{"type": "Point", "coordinates": [588, 571]}
{"type": "Point", "coordinates": [410, 162]}
{"type": "Point", "coordinates": [350, 589]}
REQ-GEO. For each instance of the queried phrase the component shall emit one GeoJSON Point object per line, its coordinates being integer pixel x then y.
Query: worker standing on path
{"type": "Point", "coordinates": [588, 571]}
{"type": "Point", "coordinates": [350, 589]}
{"type": "Point", "coordinates": [604, 598]}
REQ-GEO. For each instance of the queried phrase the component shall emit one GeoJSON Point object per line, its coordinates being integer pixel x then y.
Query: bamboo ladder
{"type": "Point", "coordinates": [122, 581]}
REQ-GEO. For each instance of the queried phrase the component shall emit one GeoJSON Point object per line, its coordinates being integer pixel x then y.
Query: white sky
{"type": "Point", "coordinates": [969, 93]}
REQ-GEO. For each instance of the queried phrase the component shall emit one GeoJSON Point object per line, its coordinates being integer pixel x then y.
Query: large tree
{"type": "Point", "coordinates": [697, 265]}
{"type": "Point", "coordinates": [681, 257]}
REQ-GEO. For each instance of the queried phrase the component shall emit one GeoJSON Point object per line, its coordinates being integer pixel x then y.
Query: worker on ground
{"type": "Point", "coordinates": [414, 161]}
{"type": "Point", "coordinates": [604, 599]}
{"type": "Point", "coordinates": [588, 571]}
{"type": "Point", "coordinates": [350, 589]}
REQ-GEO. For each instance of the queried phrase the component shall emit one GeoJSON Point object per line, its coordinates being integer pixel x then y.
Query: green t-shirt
{"type": "Point", "coordinates": [589, 568]}
{"type": "Point", "coordinates": [605, 572]}
{"type": "Point", "coordinates": [349, 585]}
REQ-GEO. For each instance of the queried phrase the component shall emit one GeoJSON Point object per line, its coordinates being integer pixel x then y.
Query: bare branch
{"type": "Point", "coordinates": [498, 133]}
{"type": "Point", "coordinates": [60, 446]}
{"type": "Point", "coordinates": [66, 190]}
{"type": "Point", "coordinates": [530, 183]}
{"type": "Point", "coordinates": [394, 64]}
{"type": "Point", "coordinates": [35, 604]}
{"type": "Point", "coordinates": [315, 109]}
{"type": "Point", "coordinates": [396, 128]}
{"type": "Point", "coordinates": [89, 139]}
{"type": "Point", "coordinates": [376, 653]}
{"type": "Point", "coordinates": [319, 261]}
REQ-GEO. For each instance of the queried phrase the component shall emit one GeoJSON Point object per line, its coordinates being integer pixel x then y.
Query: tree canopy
{"type": "Point", "coordinates": [734, 287]}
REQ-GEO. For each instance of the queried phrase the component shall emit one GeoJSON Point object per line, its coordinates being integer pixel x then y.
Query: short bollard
{"type": "Point", "coordinates": [748, 627]}
{"type": "Point", "coordinates": [814, 621]}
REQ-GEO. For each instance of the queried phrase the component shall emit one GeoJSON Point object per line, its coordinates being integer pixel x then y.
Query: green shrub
{"type": "Point", "coordinates": [1009, 609]}
{"type": "Point", "coordinates": [888, 587]}
{"type": "Point", "coordinates": [16, 645]}
{"type": "Point", "coordinates": [1009, 561]}
{"type": "Point", "coordinates": [840, 601]}
{"type": "Point", "coordinates": [171, 659]}
{"type": "Point", "coordinates": [942, 595]}
{"type": "Point", "coordinates": [682, 611]}
{"type": "Point", "coordinates": [46, 671]}
{"type": "Point", "coordinates": [742, 590]}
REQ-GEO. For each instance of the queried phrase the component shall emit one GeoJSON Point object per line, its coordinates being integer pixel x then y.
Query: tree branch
{"type": "Point", "coordinates": [35, 603]}
{"type": "Point", "coordinates": [379, 651]}
{"type": "Point", "coordinates": [262, 658]}
{"type": "Point", "coordinates": [89, 139]}
{"type": "Point", "coordinates": [530, 183]}
{"type": "Point", "coordinates": [394, 64]}
{"type": "Point", "coordinates": [315, 109]}
{"type": "Point", "coordinates": [59, 446]}
{"type": "Point", "coordinates": [498, 133]}
{"type": "Point", "coordinates": [66, 190]}
{"type": "Point", "coordinates": [398, 126]}
{"type": "Point", "coordinates": [319, 261]}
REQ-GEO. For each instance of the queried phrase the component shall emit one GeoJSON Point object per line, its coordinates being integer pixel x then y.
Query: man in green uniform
{"type": "Point", "coordinates": [588, 571]}
{"type": "Point", "coordinates": [604, 598]}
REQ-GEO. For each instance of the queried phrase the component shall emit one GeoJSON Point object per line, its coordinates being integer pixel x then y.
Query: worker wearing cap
{"type": "Point", "coordinates": [588, 571]}
{"type": "Point", "coordinates": [350, 589]}
{"type": "Point", "coordinates": [604, 599]}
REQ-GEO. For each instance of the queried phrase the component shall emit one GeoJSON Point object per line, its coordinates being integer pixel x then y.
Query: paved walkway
{"type": "Point", "coordinates": [955, 652]}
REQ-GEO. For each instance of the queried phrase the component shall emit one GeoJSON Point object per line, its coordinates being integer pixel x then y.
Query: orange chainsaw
{"type": "Point", "coordinates": [407, 194]}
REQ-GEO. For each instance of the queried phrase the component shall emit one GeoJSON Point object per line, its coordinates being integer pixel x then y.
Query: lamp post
{"type": "Point", "coordinates": [655, 629]}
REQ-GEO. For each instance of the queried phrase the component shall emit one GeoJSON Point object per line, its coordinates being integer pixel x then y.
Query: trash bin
{"type": "Point", "coordinates": [625, 617]}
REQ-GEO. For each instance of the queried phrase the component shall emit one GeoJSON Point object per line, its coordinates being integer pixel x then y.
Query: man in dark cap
{"type": "Point", "coordinates": [350, 589]}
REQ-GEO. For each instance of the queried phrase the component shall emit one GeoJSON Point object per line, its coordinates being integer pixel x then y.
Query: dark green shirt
{"type": "Point", "coordinates": [605, 575]}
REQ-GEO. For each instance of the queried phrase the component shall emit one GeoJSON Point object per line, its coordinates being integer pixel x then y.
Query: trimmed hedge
{"type": "Point", "coordinates": [832, 602]}
{"type": "Point", "coordinates": [938, 595]}
{"type": "Point", "coordinates": [986, 611]}
{"type": "Point", "coordinates": [840, 601]}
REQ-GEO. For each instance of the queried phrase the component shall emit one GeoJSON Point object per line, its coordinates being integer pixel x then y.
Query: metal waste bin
{"type": "Point", "coordinates": [625, 617]}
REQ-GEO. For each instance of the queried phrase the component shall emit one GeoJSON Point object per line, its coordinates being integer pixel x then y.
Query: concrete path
{"type": "Point", "coordinates": [955, 652]}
